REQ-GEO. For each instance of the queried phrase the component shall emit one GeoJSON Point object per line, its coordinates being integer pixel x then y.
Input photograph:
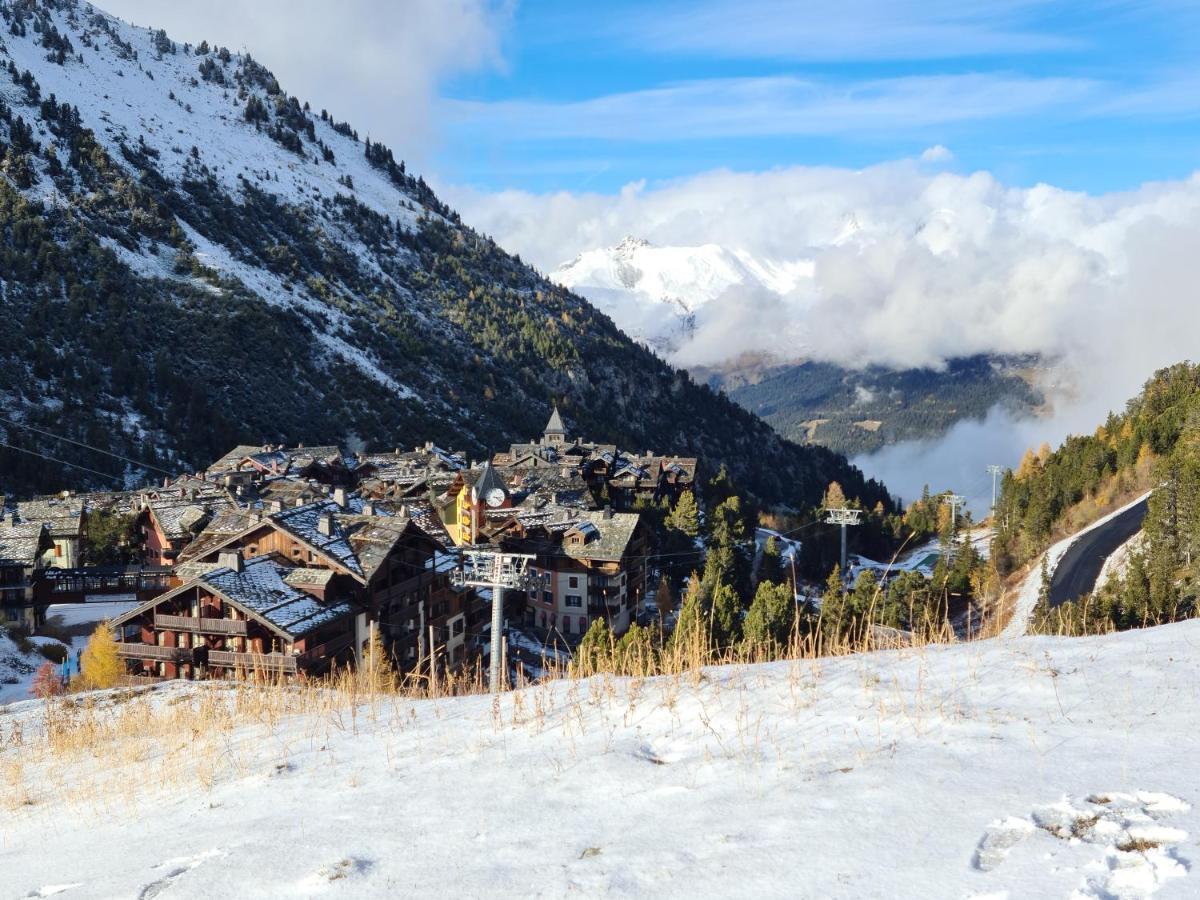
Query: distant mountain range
{"type": "Point", "coordinates": [191, 258]}
{"type": "Point", "coordinates": [668, 297]}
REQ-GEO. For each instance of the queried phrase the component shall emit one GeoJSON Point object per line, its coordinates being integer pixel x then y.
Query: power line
{"type": "Point", "coordinates": [59, 437]}
{"type": "Point", "coordinates": [61, 462]}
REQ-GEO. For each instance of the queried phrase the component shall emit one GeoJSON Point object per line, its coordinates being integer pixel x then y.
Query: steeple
{"type": "Point", "coordinates": [555, 432]}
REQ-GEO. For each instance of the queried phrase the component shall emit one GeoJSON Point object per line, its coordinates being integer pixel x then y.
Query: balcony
{"type": "Point", "coordinates": [200, 625]}
{"type": "Point", "coordinates": [154, 652]}
{"type": "Point", "coordinates": [331, 647]}
{"type": "Point", "coordinates": [251, 662]}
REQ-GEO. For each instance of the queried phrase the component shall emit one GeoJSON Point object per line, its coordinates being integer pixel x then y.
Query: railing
{"type": "Point", "coordinates": [209, 626]}
{"type": "Point", "coordinates": [153, 651]}
{"type": "Point", "coordinates": [329, 648]}
{"type": "Point", "coordinates": [108, 579]}
{"type": "Point", "coordinates": [267, 662]}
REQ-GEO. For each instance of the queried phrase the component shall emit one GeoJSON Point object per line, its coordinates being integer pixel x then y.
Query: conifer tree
{"type": "Point", "coordinates": [685, 517]}
{"type": "Point", "coordinates": [664, 598]}
{"type": "Point", "coordinates": [726, 615]}
{"type": "Point", "coordinates": [634, 653]}
{"type": "Point", "coordinates": [771, 618]}
{"type": "Point", "coordinates": [47, 682]}
{"type": "Point", "coordinates": [594, 653]}
{"type": "Point", "coordinates": [770, 567]}
{"type": "Point", "coordinates": [102, 666]}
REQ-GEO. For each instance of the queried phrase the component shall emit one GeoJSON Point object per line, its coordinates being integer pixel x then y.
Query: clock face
{"type": "Point", "coordinates": [494, 497]}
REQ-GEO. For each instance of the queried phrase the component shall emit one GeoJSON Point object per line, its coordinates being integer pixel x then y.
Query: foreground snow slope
{"type": "Point", "coordinates": [1000, 769]}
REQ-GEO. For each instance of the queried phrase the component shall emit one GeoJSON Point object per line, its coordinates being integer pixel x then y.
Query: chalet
{"type": "Point", "coordinates": [386, 565]}
{"type": "Point", "coordinates": [23, 549]}
{"type": "Point", "coordinates": [64, 518]}
{"type": "Point", "coordinates": [592, 565]}
{"type": "Point", "coordinates": [239, 616]}
{"type": "Point", "coordinates": [247, 464]}
{"type": "Point", "coordinates": [170, 518]}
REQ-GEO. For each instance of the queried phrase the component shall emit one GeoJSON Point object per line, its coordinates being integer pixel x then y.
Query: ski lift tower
{"type": "Point", "coordinates": [496, 570]}
{"type": "Point", "coordinates": [843, 516]}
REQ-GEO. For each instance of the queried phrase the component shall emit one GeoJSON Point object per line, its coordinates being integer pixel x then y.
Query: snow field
{"type": "Point", "coordinates": [1037, 767]}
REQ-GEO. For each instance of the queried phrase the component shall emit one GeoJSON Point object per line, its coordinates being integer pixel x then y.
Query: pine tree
{"type": "Point", "coordinates": [770, 567]}
{"type": "Point", "coordinates": [691, 627]}
{"type": "Point", "coordinates": [634, 653]}
{"type": "Point", "coordinates": [835, 497]}
{"type": "Point", "coordinates": [726, 615]}
{"type": "Point", "coordinates": [772, 616]}
{"type": "Point", "coordinates": [102, 666]}
{"type": "Point", "coordinates": [595, 652]}
{"type": "Point", "coordinates": [685, 517]}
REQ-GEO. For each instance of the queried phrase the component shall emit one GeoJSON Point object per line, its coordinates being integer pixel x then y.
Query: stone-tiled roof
{"type": "Point", "coordinates": [227, 524]}
{"type": "Point", "coordinates": [303, 523]}
{"type": "Point", "coordinates": [20, 542]}
{"type": "Point", "coordinates": [607, 537]}
{"type": "Point", "coordinates": [63, 516]}
{"type": "Point", "coordinates": [371, 539]}
{"type": "Point", "coordinates": [262, 587]}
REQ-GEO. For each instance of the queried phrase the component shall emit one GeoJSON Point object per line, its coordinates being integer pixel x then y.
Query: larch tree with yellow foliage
{"type": "Point", "coordinates": [102, 666]}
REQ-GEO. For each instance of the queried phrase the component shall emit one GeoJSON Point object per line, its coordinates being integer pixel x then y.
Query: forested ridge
{"type": "Point", "coordinates": [1153, 444]}
{"type": "Point", "coordinates": [159, 307]}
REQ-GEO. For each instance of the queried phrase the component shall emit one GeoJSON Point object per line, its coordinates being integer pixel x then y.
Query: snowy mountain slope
{"type": "Point", "coordinates": [1029, 768]}
{"type": "Point", "coordinates": [183, 243]}
{"type": "Point", "coordinates": [655, 293]}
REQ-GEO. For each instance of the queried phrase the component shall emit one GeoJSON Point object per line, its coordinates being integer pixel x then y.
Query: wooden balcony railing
{"type": "Point", "coordinates": [329, 648]}
{"type": "Point", "coordinates": [200, 625]}
{"type": "Point", "coordinates": [263, 662]}
{"type": "Point", "coordinates": [153, 651]}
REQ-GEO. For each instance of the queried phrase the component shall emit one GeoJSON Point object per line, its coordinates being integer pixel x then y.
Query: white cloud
{"type": "Point", "coordinates": [912, 267]}
{"type": "Point", "coordinates": [936, 154]}
{"type": "Point", "coordinates": [374, 63]}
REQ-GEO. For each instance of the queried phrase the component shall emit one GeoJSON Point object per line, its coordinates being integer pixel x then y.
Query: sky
{"type": "Point", "coordinates": [997, 177]}
{"type": "Point", "coordinates": [545, 96]}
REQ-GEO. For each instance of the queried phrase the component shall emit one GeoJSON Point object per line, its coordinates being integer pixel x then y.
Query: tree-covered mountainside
{"type": "Point", "coordinates": [192, 258]}
{"type": "Point", "coordinates": [858, 411]}
{"type": "Point", "coordinates": [1154, 444]}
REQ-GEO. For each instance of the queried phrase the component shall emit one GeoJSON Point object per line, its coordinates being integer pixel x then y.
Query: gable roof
{"type": "Point", "coordinates": [302, 522]}
{"type": "Point", "coordinates": [261, 589]}
{"type": "Point", "coordinates": [21, 543]}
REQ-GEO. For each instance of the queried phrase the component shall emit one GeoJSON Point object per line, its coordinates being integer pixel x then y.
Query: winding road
{"type": "Point", "coordinates": [1080, 566]}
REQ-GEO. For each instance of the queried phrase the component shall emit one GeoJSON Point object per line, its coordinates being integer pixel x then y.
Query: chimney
{"type": "Point", "coordinates": [339, 497]}
{"type": "Point", "coordinates": [275, 506]}
{"type": "Point", "coordinates": [608, 512]}
{"type": "Point", "coordinates": [231, 559]}
{"type": "Point", "coordinates": [166, 481]}
{"type": "Point", "coordinates": [368, 508]}
{"type": "Point", "coordinates": [404, 511]}
{"type": "Point", "coordinates": [325, 524]}
{"type": "Point", "coordinates": [300, 501]}
{"type": "Point", "coordinates": [240, 491]}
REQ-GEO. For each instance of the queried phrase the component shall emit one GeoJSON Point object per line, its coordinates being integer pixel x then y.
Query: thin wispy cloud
{"type": "Point", "coordinates": [847, 30]}
{"type": "Point", "coordinates": [780, 105]}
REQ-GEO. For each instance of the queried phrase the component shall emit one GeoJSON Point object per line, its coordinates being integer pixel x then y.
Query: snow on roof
{"type": "Point", "coordinates": [303, 522]}
{"type": "Point", "coordinates": [20, 542]}
{"type": "Point", "coordinates": [263, 588]}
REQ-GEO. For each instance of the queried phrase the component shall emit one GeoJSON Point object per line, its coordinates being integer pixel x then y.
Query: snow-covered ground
{"type": "Point", "coordinates": [1004, 768]}
{"type": "Point", "coordinates": [75, 620]}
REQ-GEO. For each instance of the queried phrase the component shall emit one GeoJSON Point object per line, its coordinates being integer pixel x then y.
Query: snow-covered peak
{"type": "Point", "coordinates": [656, 292]}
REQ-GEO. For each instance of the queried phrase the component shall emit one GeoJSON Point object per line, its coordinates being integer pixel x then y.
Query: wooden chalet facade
{"type": "Point", "coordinates": [262, 616]}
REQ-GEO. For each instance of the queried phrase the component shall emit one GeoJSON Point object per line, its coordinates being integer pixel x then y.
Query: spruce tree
{"type": "Point", "coordinates": [771, 618]}
{"type": "Point", "coordinates": [594, 653]}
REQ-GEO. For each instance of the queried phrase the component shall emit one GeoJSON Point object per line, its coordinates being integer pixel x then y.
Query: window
{"type": "Point", "coordinates": [582, 624]}
{"type": "Point", "coordinates": [573, 581]}
{"type": "Point", "coordinates": [548, 597]}
{"type": "Point", "coordinates": [458, 627]}
{"type": "Point", "coordinates": [573, 600]}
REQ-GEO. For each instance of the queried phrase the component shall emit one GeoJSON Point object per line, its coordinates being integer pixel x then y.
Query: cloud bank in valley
{"type": "Point", "coordinates": [913, 265]}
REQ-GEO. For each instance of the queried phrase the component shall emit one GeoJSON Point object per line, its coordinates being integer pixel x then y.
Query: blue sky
{"type": "Point", "coordinates": [590, 96]}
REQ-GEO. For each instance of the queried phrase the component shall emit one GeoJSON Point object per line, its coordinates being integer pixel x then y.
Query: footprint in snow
{"type": "Point", "coordinates": [51, 890]}
{"type": "Point", "coordinates": [1137, 850]}
{"type": "Point", "coordinates": [176, 869]}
